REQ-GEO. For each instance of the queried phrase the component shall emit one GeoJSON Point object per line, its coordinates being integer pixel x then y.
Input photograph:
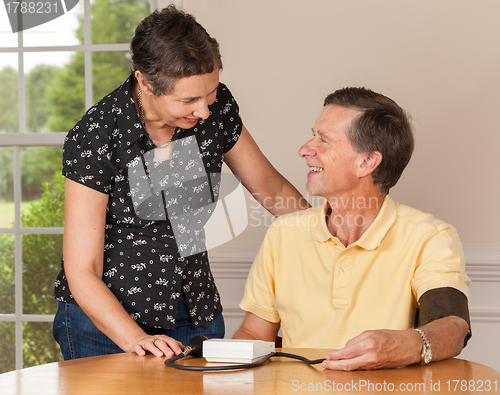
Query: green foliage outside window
{"type": "Point", "coordinates": [9, 121]}
{"type": "Point", "coordinates": [41, 256]}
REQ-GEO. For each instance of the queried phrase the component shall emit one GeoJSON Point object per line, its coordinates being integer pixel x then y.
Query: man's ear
{"type": "Point", "coordinates": [145, 87]}
{"type": "Point", "coordinates": [369, 163]}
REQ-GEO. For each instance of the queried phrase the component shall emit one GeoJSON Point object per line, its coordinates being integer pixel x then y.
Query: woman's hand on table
{"type": "Point", "coordinates": [159, 345]}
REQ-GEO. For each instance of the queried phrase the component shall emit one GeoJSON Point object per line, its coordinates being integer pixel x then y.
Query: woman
{"type": "Point", "coordinates": [145, 293]}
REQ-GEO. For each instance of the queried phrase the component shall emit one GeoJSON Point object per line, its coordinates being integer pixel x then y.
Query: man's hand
{"type": "Point", "coordinates": [382, 349]}
{"type": "Point", "coordinates": [377, 350]}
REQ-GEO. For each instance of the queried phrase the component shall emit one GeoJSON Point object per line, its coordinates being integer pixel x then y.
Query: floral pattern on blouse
{"type": "Point", "coordinates": [142, 264]}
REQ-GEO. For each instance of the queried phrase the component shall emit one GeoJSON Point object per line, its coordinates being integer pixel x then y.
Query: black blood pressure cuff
{"type": "Point", "coordinates": [443, 302]}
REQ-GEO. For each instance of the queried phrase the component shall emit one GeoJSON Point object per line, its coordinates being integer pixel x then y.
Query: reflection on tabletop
{"type": "Point", "coordinates": [130, 374]}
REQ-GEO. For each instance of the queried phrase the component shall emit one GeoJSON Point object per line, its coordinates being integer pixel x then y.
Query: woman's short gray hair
{"type": "Point", "coordinates": [170, 44]}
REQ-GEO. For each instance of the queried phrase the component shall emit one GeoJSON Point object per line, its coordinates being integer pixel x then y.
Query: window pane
{"type": "Point", "coordinates": [7, 38]}
{"type": "Point", "coordinates": [6, 188]}
{"type": "Point", "coordinates": [7, 275]}
{"type": "Point", "coordinates": [7, 345]}
{"type": "Point", "coordinates": [55, 93]}
{"type": "Point", "coordinates": [114, 22]}
{"type": "Point", "coordinates": [9, 122]}
{"type": "Point", "coordinates": [42, 187]}
{"type": "Point", "coordinates": [59, 31]}
{"type": "Point", "coordinates": [109, 70]}
{"type": "Point", "coordinates": [39, 346]}
{"type": "Point", "coordinates": [41, 263]}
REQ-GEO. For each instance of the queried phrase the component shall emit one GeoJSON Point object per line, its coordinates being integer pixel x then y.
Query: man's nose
{"type": "Point", "coordinates": [307, 150]}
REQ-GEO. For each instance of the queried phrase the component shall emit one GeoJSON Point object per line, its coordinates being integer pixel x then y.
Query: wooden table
{"type": "Point", "coordinates": [130, 374]}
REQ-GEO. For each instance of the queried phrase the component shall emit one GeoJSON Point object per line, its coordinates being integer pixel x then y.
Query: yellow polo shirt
{"type": "Point", "coordinates": [325, 294]}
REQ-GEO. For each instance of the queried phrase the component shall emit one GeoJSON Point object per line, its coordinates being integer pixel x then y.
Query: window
{"type": "Point", "coordinates": [49, 75]}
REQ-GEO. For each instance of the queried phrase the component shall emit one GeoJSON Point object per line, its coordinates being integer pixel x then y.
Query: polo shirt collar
{"type": "Point", "coordinates": [373, 236]}
{"type": "Point", "coordinates": [322, 233]}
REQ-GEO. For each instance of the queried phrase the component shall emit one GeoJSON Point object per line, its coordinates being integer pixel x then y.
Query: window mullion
{"type": "Point", "coordinates": [21, 85]}
{"type": "Point", "coordinates": [87, 40]}
{"type": "Point", "coordinates": [18, 263]}
{"type": "Point", "coordinates": [34, 139]}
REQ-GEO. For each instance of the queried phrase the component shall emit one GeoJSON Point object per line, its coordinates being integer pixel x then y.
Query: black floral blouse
{"type": "Point", "coordinates": [154, 243]}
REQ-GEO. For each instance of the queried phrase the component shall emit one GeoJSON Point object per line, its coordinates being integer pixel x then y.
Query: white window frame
{"type": "Point", "coordinates": [24, 139]}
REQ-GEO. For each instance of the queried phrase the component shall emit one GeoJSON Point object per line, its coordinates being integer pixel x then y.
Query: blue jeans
{"type": "Point", "coordinates": [78, 337]}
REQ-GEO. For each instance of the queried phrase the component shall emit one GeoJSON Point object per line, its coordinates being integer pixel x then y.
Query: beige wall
{"type": "Point", "coordinates": [440, 60]}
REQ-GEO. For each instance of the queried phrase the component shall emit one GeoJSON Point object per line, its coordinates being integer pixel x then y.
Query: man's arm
{"type": "Point", "coordinates": [255, 328]}
{"type": "Point", "coordinates": [443, 302]}
{"type": "Point", "coordinates": [397, 348]}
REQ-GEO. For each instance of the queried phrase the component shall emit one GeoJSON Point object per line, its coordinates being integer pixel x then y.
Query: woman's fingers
{"type": "Point", "coordinates": [158, 345]}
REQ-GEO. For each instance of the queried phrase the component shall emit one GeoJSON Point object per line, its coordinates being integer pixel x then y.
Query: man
{"type": "Point", "coordinates": [359, 272]}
